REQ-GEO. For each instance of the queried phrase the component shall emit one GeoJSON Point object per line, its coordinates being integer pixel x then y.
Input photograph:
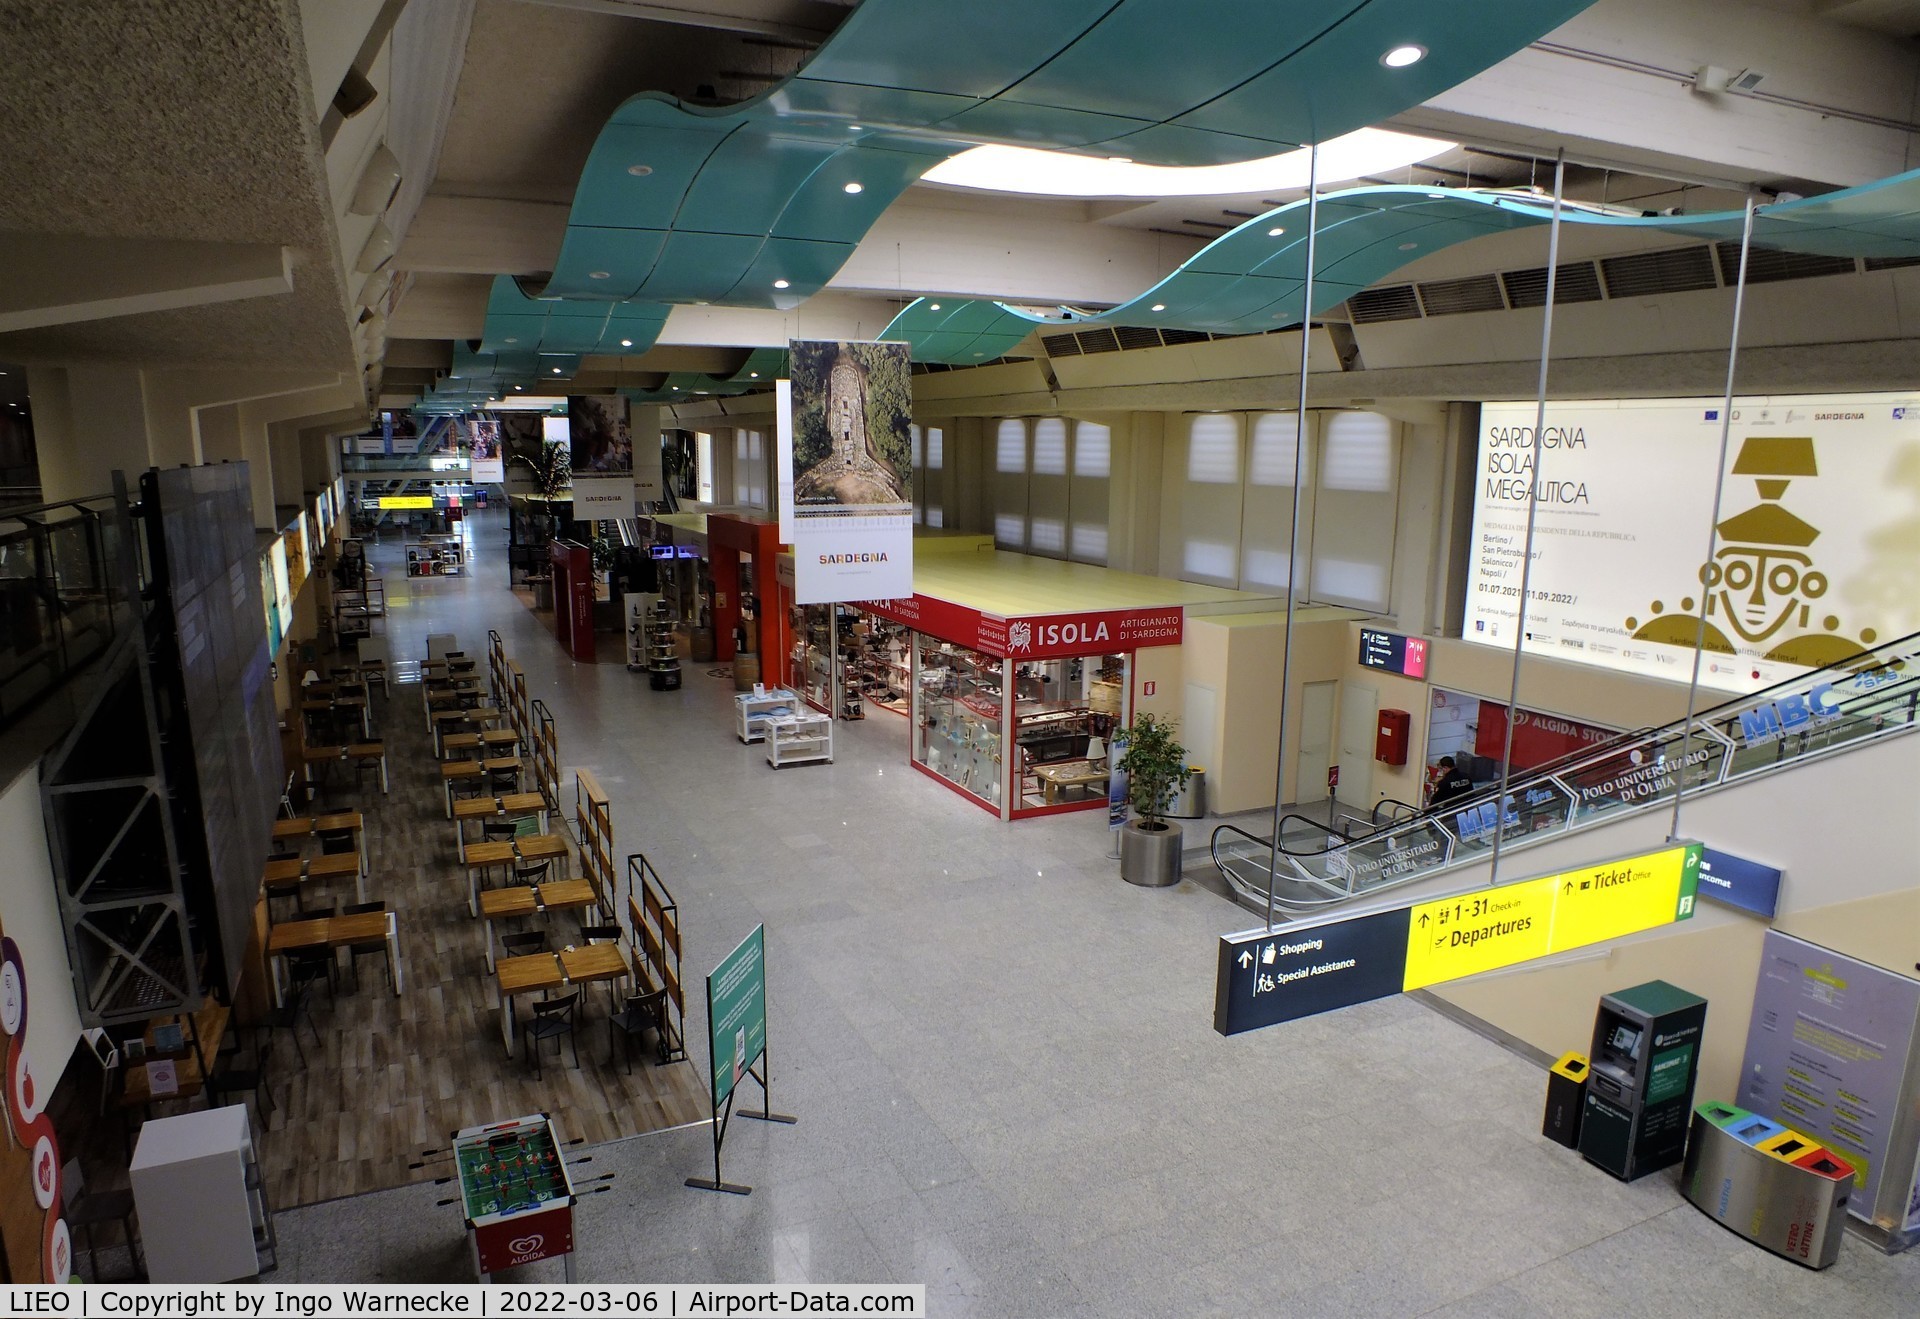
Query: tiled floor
{"type": "Point", "coordinates": [1008, 1085]}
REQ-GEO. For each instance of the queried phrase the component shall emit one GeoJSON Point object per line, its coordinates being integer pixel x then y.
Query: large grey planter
{"type": "Point", "coordinates": [1150, 857]}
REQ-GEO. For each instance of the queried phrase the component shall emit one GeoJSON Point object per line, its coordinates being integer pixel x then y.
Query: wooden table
{"type": "Point", "coordinates": [358, 752]}
{"type": "Point", "coordinates": [498, 739]}
{"type": "Point", "coordinates": [487, 808]}
{"type": "Point", "coordinates": [453, 745]}
{"type": "Point", "coordinates": [478, 857]}
{"type": "Point", "coordinates": [1073, 774]}
{"type": "Point", "coordinates": [362, 753]}
{"type": "Point", "coordinates": [544, 971]}
{"type": "Point", "coordinates": [453, 771]}
{"type": "Point", "coordinates": [522, 900]}
{"type": "Point", "coordinates": [546, 847]}
{"type": "Point", "coordinates": [333, 932]}
{"type": "Point", "coordinates": [322, 867]}
{"type": "Point", "coordinates": [302, 827]}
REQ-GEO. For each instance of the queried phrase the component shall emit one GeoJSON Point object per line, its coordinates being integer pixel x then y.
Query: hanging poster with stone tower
{"type": "Point", "coordinates": [846, 471]}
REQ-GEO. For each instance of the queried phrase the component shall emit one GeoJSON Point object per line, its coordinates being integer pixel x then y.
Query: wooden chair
{"type": "Point", "coordinates": [532, 875]}
{"type": "Point", "coordinates": [552, 1018]}
{"type": "Point", "coordinates": [527, 941]}
{"type": "Point", "coordinates": [372, 948]}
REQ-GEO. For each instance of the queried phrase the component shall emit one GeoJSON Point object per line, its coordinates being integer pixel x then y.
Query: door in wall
{"type": "Point", "coordinates": [1315, 741]}
{"type": "Point", "coordinates": [1358, 708]}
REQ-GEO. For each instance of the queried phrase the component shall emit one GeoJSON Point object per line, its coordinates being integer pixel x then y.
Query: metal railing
{"type": "Point", "coordinates": [62, 600]}
{"type": "Point", "coordinates": [1836, 708]}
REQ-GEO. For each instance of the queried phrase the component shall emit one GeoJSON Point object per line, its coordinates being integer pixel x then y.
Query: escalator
{"type": "Point", "coordinates": [1839, 708]}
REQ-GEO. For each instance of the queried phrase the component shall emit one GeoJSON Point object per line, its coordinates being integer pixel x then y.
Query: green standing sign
{"type": "Point", "coordinates": [737, 1043]}
{"type": "Point", "coordinates": [737, 1012]}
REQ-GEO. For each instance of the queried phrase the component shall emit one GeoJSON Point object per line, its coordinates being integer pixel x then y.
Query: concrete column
{"type": "Point", "coordinates": [252, 420]}
{"type": "Point", "coordinates": [217, 433]}
{"type": "Point", "coordinates": [88, 420]}
{"type": "Point", "coordinates": [170, 436]}
{"type": "Point", "coordinates": [283, 442]}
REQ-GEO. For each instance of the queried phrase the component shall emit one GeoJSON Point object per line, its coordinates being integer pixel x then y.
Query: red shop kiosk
{"type": "Point", "coordinates": [1015, 713]}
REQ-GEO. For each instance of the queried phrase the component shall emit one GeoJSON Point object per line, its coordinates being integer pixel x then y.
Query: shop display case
{"type": "Point", "coordinates": [957, 721]}
{"type": "Point", "coordinates": [753, 710]}
{"type": "Point", "coordinates": [874, 655]}
{"type": "Point", "coordinates": [799, 738]}
{"type": "Point", "coordinates": [1065, 712]}
{"type": "Point", "coordinates": [663, 664]}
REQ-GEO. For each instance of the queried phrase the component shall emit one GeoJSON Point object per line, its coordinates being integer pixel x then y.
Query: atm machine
{"type": "Point", "coordinates": [1645, 1056]}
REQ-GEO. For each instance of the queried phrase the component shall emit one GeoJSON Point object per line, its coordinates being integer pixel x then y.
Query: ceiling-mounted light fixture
{"type": "Point", "coordinates": [1159, 306]}
{"type": "Point", "coordinates": [377, 251]}
{"type": "Point", "coordinates": [639, 171]}
{"type": "Point", "coordinates": [379, 181]}
{"type": "Point", "coordinates": [1276, 231]}
{"type": "Point", "coordinates": [933, 306]}
{"type": "Point", "coordinates": [599, 274]}
{"type": "Point", "coordinates": [626, 343]}
{"type": "Point", "coordinates": [782, 284]}
{"type": "Point", "coordinates": [853, 189]}
{"type": "Point", "coordinates": [1403, 57]}
{"type": "Point", "coordinates": [557, 371]}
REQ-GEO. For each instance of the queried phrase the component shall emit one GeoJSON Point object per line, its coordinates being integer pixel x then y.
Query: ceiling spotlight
{"type": "Point", "coordinates": [599, 274]}
{"type": "Point", "coordinates": [556, 370]}
{"type": "Point", "coordinates": [1275, 232]}
{"type": "Point", "coordinates": [853, 128]}
{"type": "Point", "coordinates": [933, 306]}
{"type": "Point", "coordinates": [676, 389]}
{"type": "Point", "coordinates": [1408, 247]}
{"type": "Point", "coordinates": [519, 387]}
{"type": "Point", "coordinates": [853, 189]}
{"type": "Point", "coordinates": [979, 354]}
{"type": "Point", "coordinates": [640, 171]}
{"type": "Point", "coordinates": [1159, 306]}
{"type": "Point", "coordinates": [1437, 196]}
{"type": "Point", "coordinates": [626, 343]}
{"type": "Point", "coordinates": [754, 374]}
{"type": "Point", "coordinates": [512, 339]}
{"type": "Point", "coordinates": [781, 284]}
{"type": "Point", "coordinates": [1401, 57]}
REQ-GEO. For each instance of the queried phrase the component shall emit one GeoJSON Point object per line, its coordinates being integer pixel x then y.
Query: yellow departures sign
{"type": "Point", "coordinates": [1461, 936]}
{"type": "Point", "coordinates": [406, 501]}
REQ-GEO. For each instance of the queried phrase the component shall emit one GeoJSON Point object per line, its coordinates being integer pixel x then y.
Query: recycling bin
{"type": "Point", "coordinates": [1779, 1189]}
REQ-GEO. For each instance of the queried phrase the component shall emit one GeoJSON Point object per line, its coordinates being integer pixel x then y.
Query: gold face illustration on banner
{"type": "Point", "coordinates": [1762, 582]}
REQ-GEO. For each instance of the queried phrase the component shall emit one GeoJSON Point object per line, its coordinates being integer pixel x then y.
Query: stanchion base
{"type": "Point", "coordinates": [765, 1116]}
{"type": "Point", "coordinates": [708, 1184]}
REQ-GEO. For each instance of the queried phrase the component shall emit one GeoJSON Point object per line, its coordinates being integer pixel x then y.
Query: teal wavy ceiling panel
{"type": "Point", "coordinates": [1251, 279]}
{"type": "Point", "coordinates": [762, 367]}
{"type": "Point", "coordinates": [695, 204]}
{"type": "Point", "coordinates": [519, 324]}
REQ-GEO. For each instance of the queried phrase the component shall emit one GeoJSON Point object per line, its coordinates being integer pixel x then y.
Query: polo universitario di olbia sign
{"type": "Point", "coordinates": [1040, 636]}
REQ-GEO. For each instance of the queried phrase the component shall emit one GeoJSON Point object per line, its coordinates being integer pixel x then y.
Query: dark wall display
{"type": "Point", "coordinates": [212, 679]}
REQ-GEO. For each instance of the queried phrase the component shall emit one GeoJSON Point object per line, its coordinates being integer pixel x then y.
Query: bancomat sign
{"type": "Point", "coordinates": [1265, 977]}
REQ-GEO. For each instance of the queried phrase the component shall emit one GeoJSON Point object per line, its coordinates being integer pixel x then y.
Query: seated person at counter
{"type": "Point", "coordinates": [1452, 783]}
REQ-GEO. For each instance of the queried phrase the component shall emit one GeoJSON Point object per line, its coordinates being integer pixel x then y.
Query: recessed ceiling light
{"type": "Point", "coordinates": [1401, 57]}
{"type": "Point", "coordinates": [1437, 196]}
{"type": "Point", "coordinates": [754, 374]}
{"type": "Point", "coordinates": [640, 171]}
{"type": "Point", "coordinates": [519, 387]}
{"type": "Point", "coordinates": [599, 274]}
{"type": "Point", "coordinates": [1119, 160]}
{"type": "Point", "coordinates": [781, 284]}
{"type": "Point", "coordinates": [1159, 306]}
{"type": "Point", "coordinates": [853, 128]}
{"type": "Point", "coordinates": [979, 354]}
{"type": "Point", "coordinates": [933, 306]}
{"type": "Point", "coordinates": [1408, 247]}
{"type": "Point", "coordinates": [626, 343]}
{"type": "Point", "coordinates": [853, 189]}
{"type": "Point", "coordinates": [676, 389]}
{"type": "Point", "coordinates": [556, 370]}
{"type": "Point", "coordinates": [1276, 231]}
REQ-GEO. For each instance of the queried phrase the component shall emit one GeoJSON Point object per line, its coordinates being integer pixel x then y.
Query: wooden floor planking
{"type": "Point", "coordinates": [394, 1076]}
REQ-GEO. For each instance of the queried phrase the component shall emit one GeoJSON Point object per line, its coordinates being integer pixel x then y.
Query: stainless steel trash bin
{"type": "Point", "coordinates": [1190, 802]}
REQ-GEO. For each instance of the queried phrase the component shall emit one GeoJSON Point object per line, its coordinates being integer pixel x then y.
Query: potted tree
{"type": "Point", "coordinates": [1156, 768]}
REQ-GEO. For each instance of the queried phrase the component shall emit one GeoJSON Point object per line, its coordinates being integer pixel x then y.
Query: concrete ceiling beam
{"type": "Point", "coordinates": [58, 279]}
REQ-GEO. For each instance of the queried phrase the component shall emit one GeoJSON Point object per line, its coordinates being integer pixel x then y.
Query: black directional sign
{"type": "Point", "coordinates": [1270, 976]}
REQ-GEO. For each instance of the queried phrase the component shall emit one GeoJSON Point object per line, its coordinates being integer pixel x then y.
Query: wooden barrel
{"type": "Point", "coordinates": [746, 671]}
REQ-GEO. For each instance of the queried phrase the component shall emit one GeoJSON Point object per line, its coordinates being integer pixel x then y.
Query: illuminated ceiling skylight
{"type": "Point", "coordinates": [1058, 174]}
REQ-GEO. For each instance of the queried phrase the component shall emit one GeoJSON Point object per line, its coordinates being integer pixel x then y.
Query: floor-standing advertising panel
{"type": "Point", "coordinates": [1817, 551]}
{"type": "Point", "coordinates": [1833, 1050]}
{"type": "Point", "coordinates": [846, 470]}
{"type": "Point", "coordinates": [483, 452]}
{"type": "Point", "coordinates": [601, 441]}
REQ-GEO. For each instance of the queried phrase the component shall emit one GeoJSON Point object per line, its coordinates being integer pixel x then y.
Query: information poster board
{"type": "Point", "coordinates": [601, 440]}
{"type": "Point", "coordinates": [1827, 1053]}
{"type": "Point", "coordinates": [483, 452]}
{"type": "Point", "coordinates": [1813, 558]}
{"type": "Point", "coordinates": [737, 1013]}
{"type": "Point", "coordinates": [846, 470]}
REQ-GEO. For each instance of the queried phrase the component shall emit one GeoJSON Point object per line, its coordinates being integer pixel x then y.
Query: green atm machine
{"type": "Point", "coordinates": [1646, 1053]}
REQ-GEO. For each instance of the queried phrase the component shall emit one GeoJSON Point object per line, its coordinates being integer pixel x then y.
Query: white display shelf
{"type": "Point", "coordinates": [799, 738]}
{"type": "Point", "coordinates": [751, 713]}
{"type": "Point", "coordinates": [203, 1211]}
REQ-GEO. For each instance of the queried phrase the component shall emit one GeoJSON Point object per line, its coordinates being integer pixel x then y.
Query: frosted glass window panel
{"type": "Point", "coordinates": [1050, 447]}
{"type": "Point", "coordinates": [750, 468]}
{"type": "Point", "coordinates": [1089, 543]}
{"type": "Point", "coordinates": [703, 466]}
{"type": "Point", "coordinates": [1354, 513]}
{"type": "Point", "coordinates": [936, 447]}
{"type": "Point", "coordinates": [936, 516]}
{"type": "Point", "coordinates": [1210, 561]}
{"type": "Point", "coordinates": [1010, 446]}
{"type": "Point", "coordinates": [1358, 453]}
{"type": "Point", "coordinates": [1213, 450]}
{"type": "Point", "coordinates": [1092, 450]}
{"type": "Point", "coordinates": [1087, 492]}
{"type": "Point", "coordinates": [1047, 536]}
{"type": "Point", "coordinates": [1010, 484]}
{"type": "Point", "coordinates": [1263, 568]}
{"type": "Point", "coordinates": [1275, 438]}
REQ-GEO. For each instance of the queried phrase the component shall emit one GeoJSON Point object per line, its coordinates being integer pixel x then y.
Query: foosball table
{"type": "Point", "coordinates": [516, 1193]}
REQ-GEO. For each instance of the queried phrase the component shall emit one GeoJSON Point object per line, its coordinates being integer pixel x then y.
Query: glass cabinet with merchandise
{"type": "Point", "coordinates": [873, 660]}
{"type": "Point", "coordinates": [956, 720]}
{"type": "Point", "coordinates": [1064, 712]}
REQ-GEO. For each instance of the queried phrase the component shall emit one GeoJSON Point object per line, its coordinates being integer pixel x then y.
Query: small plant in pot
{"type": "Point", "coordinates": [1156, 768]}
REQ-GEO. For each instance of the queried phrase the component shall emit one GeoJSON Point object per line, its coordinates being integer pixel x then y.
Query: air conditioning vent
{"type": "Point", "coordinates": [1450, 297]}
{"type": "Point", "coordinates": [1670, 270]}
{"type": "Point", "coordinates": [1099, 340]}
{"type": "Point", "coordinates": [1173, 337]}
{"type": "Point", "coordinates": [1574, 281]}
{"type": "Point", "coordinates": [1891, 262]}
{"type": "Point", "coordinates": [1396, 302]}
{"type": "Point", "coordinates": [1061, 345]}
{"type": "Point", "coordinates": [1136, 336]}
{"type": "Point", "coordinates": [1767, 264]}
